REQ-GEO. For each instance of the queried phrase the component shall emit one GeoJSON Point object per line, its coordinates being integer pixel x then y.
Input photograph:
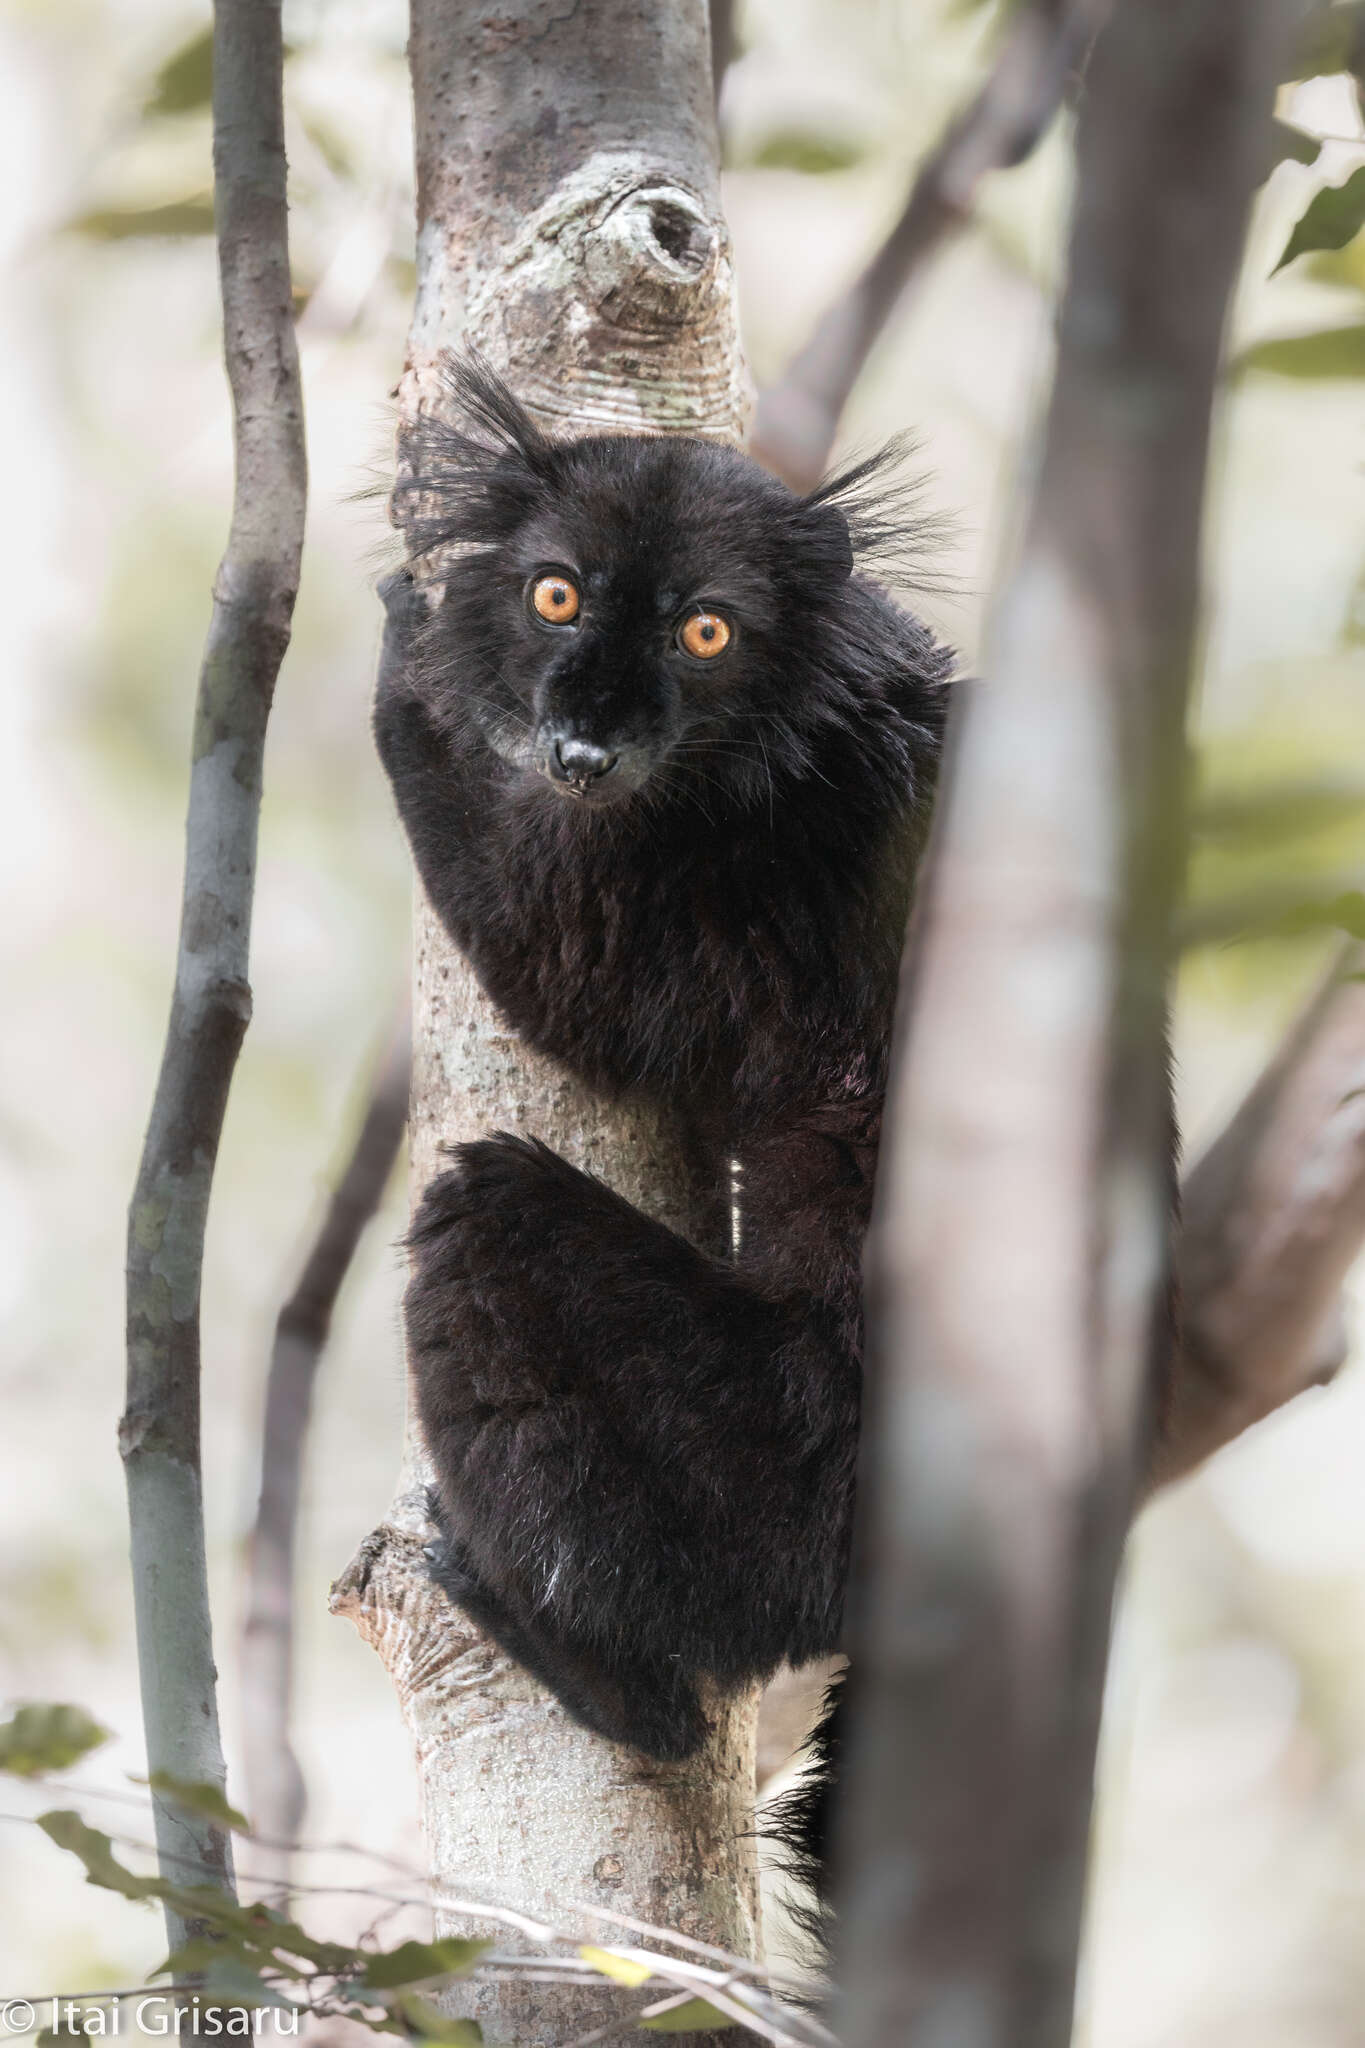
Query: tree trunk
{"type": "Point", "coordinates": [569, 229]}
{"type": "Point", "coordinates": [1019, 1254]}
{"type": "Point", "coordinates": [253, 603]}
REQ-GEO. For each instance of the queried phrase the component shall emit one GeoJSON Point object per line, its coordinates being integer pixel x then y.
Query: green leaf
{"type": "Point", "coordinates": [1293, 145]}
{"type": "Point", "coordinates": [255, 1933]}
{"type": "Point", "coordinates": [693, 2015]}
{"type": "Point", "coordinates": [256, 1929]}
{"type": "Point", "coordinates": [119, 224]}
{"type": "Point", "coordinates": [332, 144]}
{"type": "Point", "coordinates": [184, 83]}
{"type": "Point", "coordinates": [185, 80]}
{"type": "Point", "coordinates": [47, 1736]}
{"type": "Point", "coordinates": [1331, 352]}
{"type": "Point", "coordinates": [199, 1954]}
{"type": "Point", "coordinates": [208, 1801]}
{"type": "Point", "coordinates": [95, 1851]}
{"type": "Point", "coordinates": [622, 1969]}
{"type": "Point", "coordinates": [805, 149]}
{"type": "Point", "coordinates": [1334, 217]}
{"type": "Point", "coordinates": [227, 1977]}
{"type": "Point", "coordinates": [419, 1962]}
{"type": "Point", "coordinates": [429, 2023]}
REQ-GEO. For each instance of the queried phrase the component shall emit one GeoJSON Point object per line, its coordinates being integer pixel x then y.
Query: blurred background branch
{"type": "Point", "coordinates": [276, 1791]}
{"type": "Point", "coordinates": [1272, 1218]}
{"type": "Point", "coordinates": [1042, 46]}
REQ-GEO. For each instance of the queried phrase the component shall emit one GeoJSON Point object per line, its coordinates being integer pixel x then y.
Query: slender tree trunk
{"type": "Point", "coordinates": [1019, 1254]}
{"type": "Point", "coordinates": [253, 603]}
{"type": "Point", "coordinates": [569, 228]}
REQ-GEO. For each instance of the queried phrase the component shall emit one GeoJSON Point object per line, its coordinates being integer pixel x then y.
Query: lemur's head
{"type": "Point", "coordinates": [623, 612]}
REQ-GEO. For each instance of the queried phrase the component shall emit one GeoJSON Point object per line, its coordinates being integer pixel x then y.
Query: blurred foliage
{"type": "Point", "coordinates": [252, 1952]}
{"type": "Point", "coordinates": [256, 1955]}
{"type": "Point", "coordinates": [689, 2015]}
{"type": "Point", "coordinates": [1331, 39]}
{"type": "Point", "coordinates": [1274, 854]}
{"type": "Point", "coordinates": [1326, 352]}
{"type": "Point", "coordinates": [326, 180]}
{"type": "Point", "coordinates": [205, 1802]}
{"type": "Point", "coordinates": [47, 1737]}
{"type": "Point", "coordinates": [185, 81]}
{"type": "Point", "coordinates": [192, 216]}
{"type": "Point", "coordinates": [1334, 218]}
{"type": "Point", "coordinates": [803, 149]}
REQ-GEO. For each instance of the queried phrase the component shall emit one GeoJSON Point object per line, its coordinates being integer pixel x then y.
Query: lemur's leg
{"type": "Point", "coordinates": [645, 1461]}
{"type": "Point", "coordinates": [656, 1704]}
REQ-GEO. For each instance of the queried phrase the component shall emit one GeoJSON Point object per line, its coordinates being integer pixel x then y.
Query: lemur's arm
{"type": "Point", "coordinates": [644, 1458]}
{"type": "Point", "coordinates": [419, 760]}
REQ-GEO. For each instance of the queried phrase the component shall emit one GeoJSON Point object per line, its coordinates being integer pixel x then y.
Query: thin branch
{"type": "Point", "coordinates": [211, 1004]}
{"type": "Point", "coordinates": [797, 418]}
{"type": "Point", "coordinates": [276, 1793]}
{"type": "Point", "coordinates": [1018, 1260]}
{"type": "Point", "coordinates": [1273, 1217]}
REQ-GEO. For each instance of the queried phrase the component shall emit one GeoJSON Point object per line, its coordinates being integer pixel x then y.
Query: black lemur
{"type": "Point", "coordinates": [665, 762]}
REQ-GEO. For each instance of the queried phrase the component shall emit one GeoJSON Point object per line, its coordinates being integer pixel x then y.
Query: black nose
{"type": "Point", "coordinates": [580, 762]}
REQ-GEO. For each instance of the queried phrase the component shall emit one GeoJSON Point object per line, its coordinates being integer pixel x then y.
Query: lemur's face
{"type": "Point", "coordinates": [621, 615]}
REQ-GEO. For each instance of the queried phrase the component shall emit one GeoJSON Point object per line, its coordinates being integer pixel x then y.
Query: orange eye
{"type": "Point", "coordinates": [555, 599]}
{"type": "Point", "coordinates": [705, 634]}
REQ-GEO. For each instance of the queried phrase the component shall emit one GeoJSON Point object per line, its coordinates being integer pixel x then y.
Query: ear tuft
{"type": "Point", "coordinates": [879, 506]}
{"type": "Point", "coordinates": [826, 544]}
{"type": "Point", "coordinates": [475, 391]}
{"type": "Point", "coordinates": [470, 472]}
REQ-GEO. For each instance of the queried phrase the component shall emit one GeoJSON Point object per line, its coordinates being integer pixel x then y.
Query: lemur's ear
{"type": "Point", "coordinates": [873, 515]}
{"type": "Point", "coordinates": [823, 538]}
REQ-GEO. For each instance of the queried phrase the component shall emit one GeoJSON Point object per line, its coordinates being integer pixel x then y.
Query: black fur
{"type": "Point", "coordinates": [799, 1823]}
{"type": "Point", "coordinates": [645, 1455]}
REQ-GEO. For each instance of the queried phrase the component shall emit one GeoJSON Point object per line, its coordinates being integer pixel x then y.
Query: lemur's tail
{"type": "Point", "coordinates": [800, 1823]}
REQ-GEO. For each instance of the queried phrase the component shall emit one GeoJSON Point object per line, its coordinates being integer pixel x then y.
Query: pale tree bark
{"type": "Point", "coordinates": [1018, 1260]}
{"type": "Point", "coordinates": [253, 604]}
{"type": "Point", "coordinates": [569, 228]}
{"type": "Point", "coordinates": [276, 1793]}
